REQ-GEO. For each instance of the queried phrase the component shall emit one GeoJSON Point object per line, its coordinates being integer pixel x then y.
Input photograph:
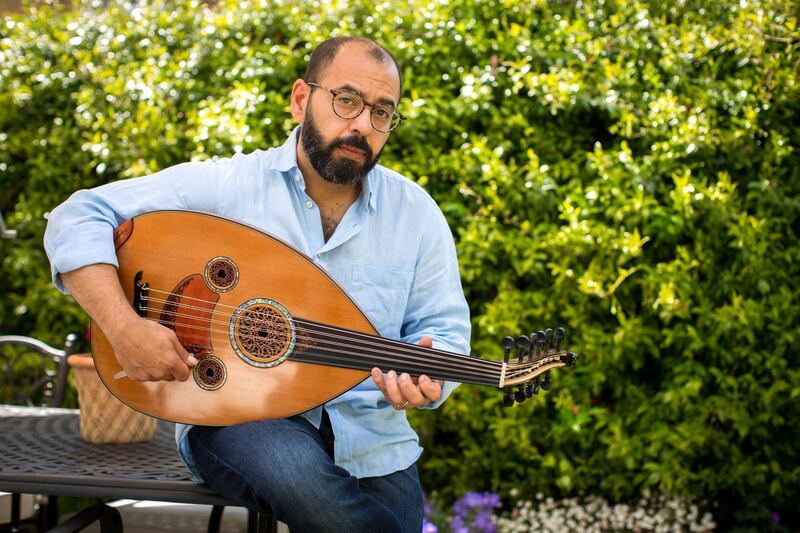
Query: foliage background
{"type": "Point", "coordinates": [627, 169]}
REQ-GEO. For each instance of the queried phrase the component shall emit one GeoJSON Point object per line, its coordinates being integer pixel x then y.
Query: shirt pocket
{"type": "Point", "coordinates": [382, 293]}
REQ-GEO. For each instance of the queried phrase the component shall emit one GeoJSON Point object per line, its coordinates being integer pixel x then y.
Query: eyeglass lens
{"type": "Point", "coordinates": [349, 105]}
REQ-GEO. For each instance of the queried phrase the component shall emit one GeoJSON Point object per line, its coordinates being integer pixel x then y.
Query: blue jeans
{"type": "Point", "coordinates": [286, 468]}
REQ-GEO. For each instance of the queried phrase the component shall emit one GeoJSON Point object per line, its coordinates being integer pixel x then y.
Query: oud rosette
{"type": "Point", "coordinates": [262, 332]}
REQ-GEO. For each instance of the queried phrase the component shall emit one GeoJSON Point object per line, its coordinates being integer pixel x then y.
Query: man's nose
{"type": "Point", "coordinates": [361, 123]}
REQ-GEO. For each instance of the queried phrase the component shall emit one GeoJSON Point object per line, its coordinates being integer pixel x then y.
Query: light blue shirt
{"type": "Point", "coordinates": [392, 252]}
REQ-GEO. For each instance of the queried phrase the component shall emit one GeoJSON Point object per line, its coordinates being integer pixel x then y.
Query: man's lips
{"type": "Point", "coordinates": [351, 151]}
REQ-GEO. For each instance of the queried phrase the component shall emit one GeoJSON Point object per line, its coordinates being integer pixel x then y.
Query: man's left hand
{"type": "Point", "coordinates": [405, 392]}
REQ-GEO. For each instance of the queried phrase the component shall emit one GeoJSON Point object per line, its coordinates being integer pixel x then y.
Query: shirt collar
{"type": "Point", "coordinates": [367, 188]}
{"type": "Point", "coordinates": [286, 161]}
{"type": "Point", "coordinates": [286, 158]}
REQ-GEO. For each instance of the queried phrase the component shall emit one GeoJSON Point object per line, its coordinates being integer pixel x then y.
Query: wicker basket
{"type": "Point", "coordinates": [103, 418]}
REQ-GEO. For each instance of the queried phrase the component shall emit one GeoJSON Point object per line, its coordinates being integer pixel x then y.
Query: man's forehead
{"type": "Point", "coordinates": [356, 68]}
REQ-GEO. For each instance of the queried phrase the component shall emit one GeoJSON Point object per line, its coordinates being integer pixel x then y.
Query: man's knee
{"type": "Point", "coordinates": [282, 467]}
{"type": "Point", "coordinates": [274, 457]}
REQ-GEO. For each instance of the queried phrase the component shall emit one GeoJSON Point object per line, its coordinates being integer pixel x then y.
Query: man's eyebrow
{"type": "Point", "coordinates": [384, 101]}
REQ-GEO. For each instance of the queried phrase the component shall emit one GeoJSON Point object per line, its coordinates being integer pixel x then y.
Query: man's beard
{"type": "Point", "coordinates": [344, 171]}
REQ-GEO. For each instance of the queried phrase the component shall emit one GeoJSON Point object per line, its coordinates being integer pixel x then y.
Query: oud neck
{"type": "Point", "coordinates": [331, 346]}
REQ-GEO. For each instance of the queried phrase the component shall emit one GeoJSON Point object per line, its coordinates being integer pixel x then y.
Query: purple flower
{"type": "Point", "coordinates": [427, 527]}
{"type": "Point", "coordinates": [483, 521]}
{"type": "Point", "coordinates": [491, 500]}
{"type": "Point", "coordinates": [456, 523]}
{"type": "Point", "coordinates": [461, 508]}
{"type": "Point", "coordinates": [478, 501]}
{"type": "Point", "coordinates": [473, 512]}
{"type": "Point", "coordinates": [776, 517]}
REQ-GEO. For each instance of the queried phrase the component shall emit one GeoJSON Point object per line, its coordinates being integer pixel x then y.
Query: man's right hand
{"type": "Point", "coordinates": [146, 350]}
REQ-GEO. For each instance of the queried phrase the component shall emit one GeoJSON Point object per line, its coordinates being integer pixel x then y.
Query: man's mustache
{"type": "Point", "coordinates": [353, 141]}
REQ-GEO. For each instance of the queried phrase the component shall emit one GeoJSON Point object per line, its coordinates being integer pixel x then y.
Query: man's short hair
{"type": "Point", "coordinates": [323, 55]}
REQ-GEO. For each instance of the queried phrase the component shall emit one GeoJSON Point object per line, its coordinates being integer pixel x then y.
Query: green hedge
{"type": "Point", "coordinates": [625, 169]}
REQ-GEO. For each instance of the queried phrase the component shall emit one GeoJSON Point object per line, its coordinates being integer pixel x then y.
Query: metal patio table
{"type": "Point", "coordinates": [42, 452]}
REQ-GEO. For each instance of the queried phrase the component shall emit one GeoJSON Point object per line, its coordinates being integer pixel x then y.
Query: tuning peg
{"type": "Point", "coordinates": [533, 387]}
{"type": "Point", "coordinates": [529, 390]}
{"type": "Point", "coordinates": [523, 343]}
{"type": "Point", "coordinates": [508, 344]}
{"type": "Point", "coordinates": [569, 358]}
{"type": "Point", "coordinates": [532, 351]}
{"type": "Point", "coordinates": [519, 395]}
{"type": "Point", "coordinates": [508, 400]}
{"type": "Point", "coordinates": [539, 340]}
{"type": "Point", "coordinates": [560, 333]}
{"type": "Point", "coordinates": [548, 336]}
{"type": "Point", "coordinates": [547, 383]}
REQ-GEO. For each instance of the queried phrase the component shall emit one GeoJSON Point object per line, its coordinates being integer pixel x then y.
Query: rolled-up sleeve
{"type": "Point", "coordinates": [436, 305]}
{"type": "Point", "coordinates": [80, 230]}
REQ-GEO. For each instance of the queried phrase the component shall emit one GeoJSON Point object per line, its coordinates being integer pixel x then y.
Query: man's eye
{"type": "Point", "coordinates": [347, 100]}
{"type": "Point", "coordinates": [382, 113]}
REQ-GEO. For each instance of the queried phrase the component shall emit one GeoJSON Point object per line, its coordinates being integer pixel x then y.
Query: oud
{"type": "Point", "coordinates": [274, 335]}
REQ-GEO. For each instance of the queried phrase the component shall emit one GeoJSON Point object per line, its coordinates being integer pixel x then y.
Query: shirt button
{"type": "Point", "coordinates": [297, 177]}
{"type": "Point", "coordinates": [309, 204]}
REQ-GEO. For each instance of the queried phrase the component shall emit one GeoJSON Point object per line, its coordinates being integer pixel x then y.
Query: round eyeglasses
{"type": "Point", "coordinates": [348, 105]}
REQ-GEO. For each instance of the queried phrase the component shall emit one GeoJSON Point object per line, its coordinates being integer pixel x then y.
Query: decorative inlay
{"type": "Point", "coordinates": [221, 274]}
{"type": "Point", "coordinates": [262, 332]}
{"type": "Point", "coordinates": [209, 372]}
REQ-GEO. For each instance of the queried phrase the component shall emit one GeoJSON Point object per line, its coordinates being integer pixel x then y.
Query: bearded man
{"type": "Point", "coordinates": [348, 465]}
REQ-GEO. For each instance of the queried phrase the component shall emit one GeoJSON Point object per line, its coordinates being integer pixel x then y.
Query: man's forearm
{"type": "Point", "coordinates": [146, 350]}
{"type": "Point", "coordinates": [98, 291]}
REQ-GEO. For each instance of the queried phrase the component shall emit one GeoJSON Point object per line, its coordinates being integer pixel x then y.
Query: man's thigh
{"type": "Point", "coordinates": [402, 493]}
{"type": "Point", "coordinates": [270, 456]}
{"type": "Point", "coordinates": [282, 467]}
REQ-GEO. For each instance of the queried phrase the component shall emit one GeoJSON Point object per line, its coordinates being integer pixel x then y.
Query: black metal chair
{"type": "Point", "coordinates": [33, 373]}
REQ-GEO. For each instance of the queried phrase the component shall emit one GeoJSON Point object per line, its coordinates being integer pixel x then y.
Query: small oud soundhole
{"type": "Point", "coordinates": [209, 372]}
{"type": "Point", "coordinates": [262, 332]}
{"type": "Point", "coordinates": [221, 274]}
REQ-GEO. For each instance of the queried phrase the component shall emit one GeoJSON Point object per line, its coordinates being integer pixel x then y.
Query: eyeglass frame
{"type": "Point", "coordinates": [364, 104]}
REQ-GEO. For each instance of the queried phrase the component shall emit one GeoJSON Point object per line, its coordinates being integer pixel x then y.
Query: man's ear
{"type": "Point", "coordinates": [300, 94]}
